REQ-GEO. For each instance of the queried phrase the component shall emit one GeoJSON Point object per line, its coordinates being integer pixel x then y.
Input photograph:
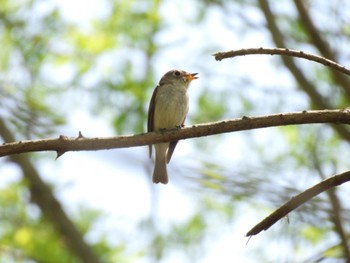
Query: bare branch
{"type": "Point", "coordinates": [298, 200]}
{"type": "Point", "coordinates": [284, 52]}
{"type": "Point", "coordinates": [335, 215]}
{"type": "Point", "coordinates": [64, 144]}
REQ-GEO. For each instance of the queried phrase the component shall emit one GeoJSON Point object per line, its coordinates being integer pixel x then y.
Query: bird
{"type": "Point", "coordinates": [167, 110]}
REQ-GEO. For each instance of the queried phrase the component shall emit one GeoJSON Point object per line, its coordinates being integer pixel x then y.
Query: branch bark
{"type": "Point", "coordinates": [64, 143]}
{"type": "Point", "coordinates": [284, 52]}
{"type": "Point", "coordinates": [298, 200]}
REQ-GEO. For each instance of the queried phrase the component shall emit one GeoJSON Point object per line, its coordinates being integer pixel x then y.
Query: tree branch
{"type": "Point", "coordinates": [298, 200]}
{"type": "Point", "coordinates": [284, 52]}
{"type": "Point", "coordinates": [316, 98]}
{"type": "Point", "coordinates": [64, 144]}
{"type": "Point", "coordinates": [335, 214]}
{"type": "Point", "coordinates": [318, 41]}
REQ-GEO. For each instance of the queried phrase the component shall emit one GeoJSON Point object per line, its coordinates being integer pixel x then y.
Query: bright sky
{"type": "Point", "coordinates": [118, 181]}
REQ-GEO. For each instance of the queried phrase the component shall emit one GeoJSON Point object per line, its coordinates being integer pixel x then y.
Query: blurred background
{"type": "Point", "coordinates": [91, 66]}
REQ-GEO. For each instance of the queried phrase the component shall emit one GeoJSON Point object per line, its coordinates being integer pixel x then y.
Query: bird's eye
{"type": "Point", "coordinates": [177, 73]}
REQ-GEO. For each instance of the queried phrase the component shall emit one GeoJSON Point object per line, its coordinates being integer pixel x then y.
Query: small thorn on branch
{"type": "Point", "coordinates": [59, 154]}
{"type": "Point", "coordinates": [80, 135]}
{"type": "Point", "coordinates": [248, 240]}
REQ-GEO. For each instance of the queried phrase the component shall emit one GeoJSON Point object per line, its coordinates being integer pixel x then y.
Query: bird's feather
{"type": "Point", "coordinates": [150, 121]}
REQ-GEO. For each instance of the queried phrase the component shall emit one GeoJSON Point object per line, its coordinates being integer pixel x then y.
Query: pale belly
{"type": "Point", "coordinates": [170, 113]}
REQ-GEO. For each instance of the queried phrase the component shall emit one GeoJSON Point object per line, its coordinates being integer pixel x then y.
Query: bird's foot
{"type": "Point", "coordinates": [162, 130]}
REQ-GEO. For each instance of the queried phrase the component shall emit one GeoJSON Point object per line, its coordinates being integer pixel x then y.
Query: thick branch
{"type": "Point", "coordinates": [284, 52]}
{"type": "Point", "coordinates": [64, 144]}
{"type": "Point", "coordinates": [298, 200]}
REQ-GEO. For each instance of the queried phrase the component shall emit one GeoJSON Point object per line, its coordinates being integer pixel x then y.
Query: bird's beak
{"type": "Point", "coordinates": [191, 76]}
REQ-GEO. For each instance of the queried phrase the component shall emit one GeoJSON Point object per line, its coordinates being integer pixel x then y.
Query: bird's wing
{"type": "Point", "coordinates": [150, 120]}
{"type": "Point", "coordinates": [172, 145]}
{"type": "Point", "coordinates": [171, 149]}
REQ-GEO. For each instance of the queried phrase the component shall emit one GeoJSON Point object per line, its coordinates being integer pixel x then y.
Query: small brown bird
{"type": "Point", "coordinates": [167, 110]}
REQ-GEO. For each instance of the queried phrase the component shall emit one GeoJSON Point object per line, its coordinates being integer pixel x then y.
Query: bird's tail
{"type": "Point", "coordinates": [160, 174]}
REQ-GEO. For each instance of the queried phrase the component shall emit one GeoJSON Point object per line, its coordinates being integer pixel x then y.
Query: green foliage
{"type": "Point", "coordinates": [191, 235]}
{"type": "Point", "coordinates": [314, 234]}
{"type": "Point", "coordinates": [213, 107]}
{"type": "Point", "coordinates": [37, 49]}
{"type": "Point", "coordinates": [49, 67]}
{"type": "Point", "coordinates": [25, 235]}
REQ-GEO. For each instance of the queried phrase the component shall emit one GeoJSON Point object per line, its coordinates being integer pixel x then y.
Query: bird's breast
{"type": "Point", "coordinates": [171, 106]}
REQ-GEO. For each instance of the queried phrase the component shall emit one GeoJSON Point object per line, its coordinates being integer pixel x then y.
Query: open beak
{"type": "Point", "coordinates": [191, 76]}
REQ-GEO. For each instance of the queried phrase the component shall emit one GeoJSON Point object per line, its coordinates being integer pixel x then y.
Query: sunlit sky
{"type": "Point", "coordinates": [118, 181]}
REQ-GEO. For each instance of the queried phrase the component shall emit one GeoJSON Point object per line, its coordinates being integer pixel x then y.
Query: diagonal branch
{"type": "Point", "coordinates": [278, 39]}
{"type": "Point", "coordinates": [42, 195]}
{"type": "Point", "coordinates": [284, 52]}
{"type": "Point", "coordinates": [64, 144]}
{"type": "Point", "coordinates": [298, 200]}
{"type": "Point", "coordinates": [316, 98]}
{"type": "Point", "coordinates": [336, 210]}
{"type": "Point", "coordinates": [318, 41]}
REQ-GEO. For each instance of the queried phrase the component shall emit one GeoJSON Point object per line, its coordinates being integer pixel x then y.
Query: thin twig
{"type": "Point", "coordinates": [63, 144]}
{"type": "Point", "coordinates": [284, 52]}
{"type": "Point", "coordinates": [298, 200]}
